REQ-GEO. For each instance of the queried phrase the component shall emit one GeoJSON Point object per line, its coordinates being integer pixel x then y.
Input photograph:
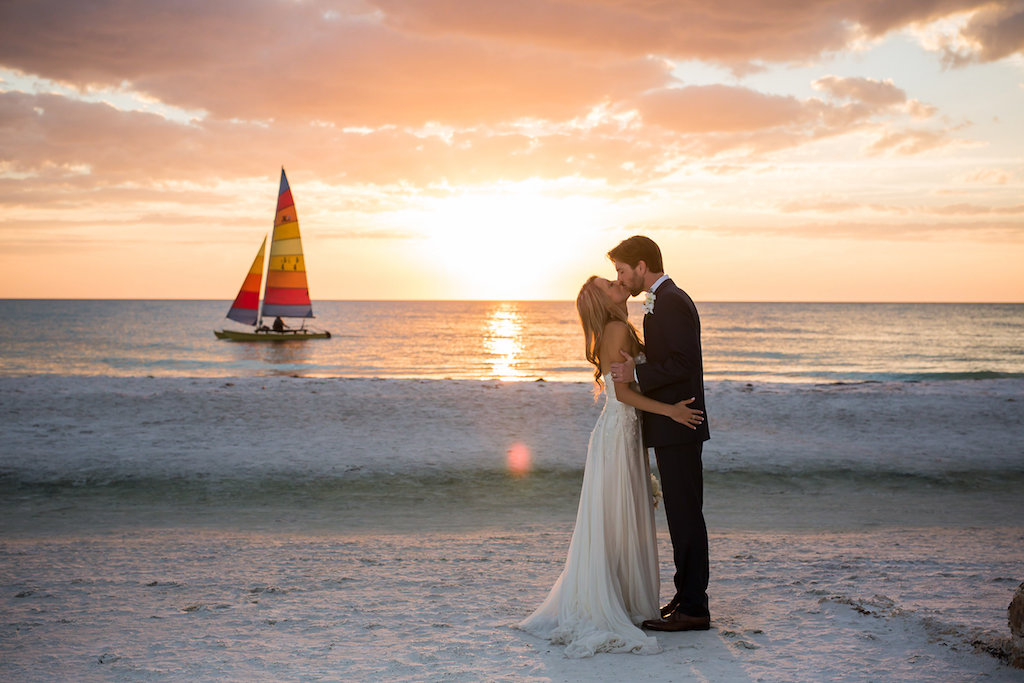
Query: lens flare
{"type": "Point", "coordinates": [517, 459]}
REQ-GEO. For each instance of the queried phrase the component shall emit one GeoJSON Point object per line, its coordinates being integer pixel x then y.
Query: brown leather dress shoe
{"type": "Point", "coordinates": [677, 621]}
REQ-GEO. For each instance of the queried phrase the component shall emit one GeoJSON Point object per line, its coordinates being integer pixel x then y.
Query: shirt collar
{"type": "Point", "coordinates": [657, 283]}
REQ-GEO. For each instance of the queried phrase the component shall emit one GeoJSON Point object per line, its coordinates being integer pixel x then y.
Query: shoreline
{"type": "Point", "coordinates": [798, 508]}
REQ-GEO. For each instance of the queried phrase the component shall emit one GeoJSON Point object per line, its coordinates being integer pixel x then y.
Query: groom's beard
{"type": "Point", "coordinates": [635, 286]}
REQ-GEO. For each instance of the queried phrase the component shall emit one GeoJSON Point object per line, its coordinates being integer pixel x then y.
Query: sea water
{"type": "Point", "coordinates": [791, 342]}
{"type": "Point", "coordinates": [429, 401]}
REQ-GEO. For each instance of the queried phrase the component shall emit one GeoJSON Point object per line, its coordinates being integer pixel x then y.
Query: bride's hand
{"type": "Point", "coordinates": [684, 414]}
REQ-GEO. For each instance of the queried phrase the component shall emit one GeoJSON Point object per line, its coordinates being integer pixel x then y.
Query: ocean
{"type": "Point", "coordinates": [385, 503]}
{"type": "Point", "coordinates": [515, 341]}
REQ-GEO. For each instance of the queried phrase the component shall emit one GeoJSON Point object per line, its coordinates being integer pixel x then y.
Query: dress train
{"type": "Point", "coordinates": [610, 581]}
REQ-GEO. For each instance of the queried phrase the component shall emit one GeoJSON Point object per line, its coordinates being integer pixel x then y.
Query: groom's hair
{"type": "Point", "coordinates": [637, 248]}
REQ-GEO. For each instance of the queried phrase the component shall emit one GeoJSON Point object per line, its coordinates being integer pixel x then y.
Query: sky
{"type": "Point", "coordinates": [777, 150]}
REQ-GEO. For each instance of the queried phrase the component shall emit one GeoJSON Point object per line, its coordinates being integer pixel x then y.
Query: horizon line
{"type": "Point", "coordinates": [634, 299]}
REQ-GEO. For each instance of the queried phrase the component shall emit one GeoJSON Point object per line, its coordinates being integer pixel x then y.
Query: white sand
{"type": "Point", "coordinates": [204, 605]}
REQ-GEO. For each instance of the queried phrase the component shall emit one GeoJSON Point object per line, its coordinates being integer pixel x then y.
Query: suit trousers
{"type": "Point", "coordinates": [682, 486]}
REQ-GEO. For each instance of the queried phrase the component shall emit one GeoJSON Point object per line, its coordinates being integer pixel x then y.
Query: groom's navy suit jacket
{"type": "Point", "coordinates": [674, 370]}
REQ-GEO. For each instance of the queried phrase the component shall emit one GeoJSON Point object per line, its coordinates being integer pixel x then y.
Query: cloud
{"type": "Point", "coordinates": [839, 206]}
{"type": "Point", "coordinates": [737, 33]}
{"type": "Point", "coordinates": [987, 176]}
{"type": "Point", "coordinates": [975, 210]}
{"type": "Point", "coordinates": [908, 142]}
{"type": "Point", "coordinates": [995, 31]}
{"type": "Point", "coordinates": [728, 32]}
{"type": "Point", "coordinates": [831, 205]}
{"type": "Point", "coordinates": [718, 118]}
{"type": "Point", "coordinates": [718, 109]}
{"type": "Point", "coordinates": [279, 61]}
{"type": "Point", "coordinates": [273, 75]}
{"type": "Point", "coordinates": [867, 90]}
{"type": "Point", "coordinates": [460, 62]}
{"type": "Point", "coordinates": [993, 231]}
{"type": "Point", "coordinates": [79, 146]}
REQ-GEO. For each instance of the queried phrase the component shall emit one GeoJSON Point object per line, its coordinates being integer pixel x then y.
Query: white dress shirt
{"type": "Point", "coordinates": [657, 283]}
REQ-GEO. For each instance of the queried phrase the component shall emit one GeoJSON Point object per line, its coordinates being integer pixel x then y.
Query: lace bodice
{"type": "Point", "coordinates": [612, 403]}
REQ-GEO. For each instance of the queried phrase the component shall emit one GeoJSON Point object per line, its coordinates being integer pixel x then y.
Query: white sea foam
{"type": "Point", "coordinates": [95, 428]}
{"type": "Point", "coordinates": [369, 451]}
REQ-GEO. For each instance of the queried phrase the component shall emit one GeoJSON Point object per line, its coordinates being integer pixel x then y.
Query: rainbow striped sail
{"type": "Point", "coordinates": [247, 303]}
{"type": "Point", "coordinates": [287, 292]}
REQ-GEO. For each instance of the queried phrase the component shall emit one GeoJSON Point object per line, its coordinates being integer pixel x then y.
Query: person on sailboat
{"type": "Point", "coordinates": [278, 324]}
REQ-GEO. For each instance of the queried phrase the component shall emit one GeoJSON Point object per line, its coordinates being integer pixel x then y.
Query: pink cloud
{"type": "Point", "coordinates": [281, 60]}
{"type": "Point", "coordinates": [461, 62]}
{"type": "Point", "coordinates": [910, 141]}
{"type": "Point", "coordinates": [987, 176]}
{"type": "Point", "coordinates": [718, 108]}
{"type": "Point", "coordinates": [998, 31]}
{"type": "Point", "coordinates": [867, 90]}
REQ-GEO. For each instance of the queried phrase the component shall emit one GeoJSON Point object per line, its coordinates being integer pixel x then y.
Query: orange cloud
{"type": "Point", "coordinates": [867, 90]}
{"type": "Point", "coordinates": [1000, 232]}
{"type": "Point", "coordinates": [732, 32]}
{"type": "Point", "coordinates": [718, 109]}
{"type": "Point", "coordinates": [995, 31]}
{"type": "Point", "coordinates": [460, 62]}
{"type": "Point", "coordinates": [910, 141]}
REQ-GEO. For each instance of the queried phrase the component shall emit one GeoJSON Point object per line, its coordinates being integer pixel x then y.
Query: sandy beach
{"type": "Point", "coordinates": [187, 604]}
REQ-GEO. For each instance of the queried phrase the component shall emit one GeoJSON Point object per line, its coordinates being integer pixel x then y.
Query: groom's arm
{"type": "Point", "coordinates": [615, 337]}
{"type": "Point", "coordinates": [676, 330]}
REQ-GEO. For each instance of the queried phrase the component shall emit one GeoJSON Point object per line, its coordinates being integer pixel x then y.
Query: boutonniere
{"type": "Point", "coordinates": [649, 303]}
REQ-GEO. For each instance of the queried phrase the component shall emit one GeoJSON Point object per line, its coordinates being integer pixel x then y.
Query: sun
{"type": "Point", "coordinates": [508, 241]}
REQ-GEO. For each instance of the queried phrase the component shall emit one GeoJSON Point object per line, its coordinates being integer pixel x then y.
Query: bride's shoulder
{"type": "Point", "coordinates": [614, 337]}
{"type": "Point", "coordinates": [615, 327]}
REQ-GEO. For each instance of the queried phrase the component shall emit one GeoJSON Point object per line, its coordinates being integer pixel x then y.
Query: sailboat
{"type": "Point", "coordinates": [286, 295]}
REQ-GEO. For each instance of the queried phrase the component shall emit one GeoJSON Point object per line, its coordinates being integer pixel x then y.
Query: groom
{"type": "Point", "coordinates": [673, 372]}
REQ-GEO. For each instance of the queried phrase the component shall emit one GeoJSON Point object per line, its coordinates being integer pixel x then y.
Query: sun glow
{"type": "Point", "coordinates": [503, 341]}
{"type": "Point", "coordinates": [508, 242]}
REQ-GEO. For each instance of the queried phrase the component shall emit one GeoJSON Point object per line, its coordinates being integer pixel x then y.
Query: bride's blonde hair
{"type": "Point", "coordinates": [595, 312]}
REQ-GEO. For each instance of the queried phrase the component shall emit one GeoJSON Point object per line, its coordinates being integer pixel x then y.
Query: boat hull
{"type": "Point", "coordinates": [288, 335]}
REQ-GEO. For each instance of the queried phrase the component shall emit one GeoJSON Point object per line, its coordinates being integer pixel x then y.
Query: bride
{"type": "Point", "coordinates": [610, 580]}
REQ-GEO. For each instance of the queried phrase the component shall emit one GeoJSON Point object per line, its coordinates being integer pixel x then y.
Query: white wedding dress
{"type": "Point", "coordinates": [610, 581]}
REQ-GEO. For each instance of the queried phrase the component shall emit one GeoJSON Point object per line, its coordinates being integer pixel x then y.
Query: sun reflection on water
{"type": "Point", "coordinates": [504, 341]}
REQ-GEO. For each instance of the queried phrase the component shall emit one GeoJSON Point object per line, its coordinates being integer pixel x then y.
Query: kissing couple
{"type": "Point", "coordinates": [654, 398]}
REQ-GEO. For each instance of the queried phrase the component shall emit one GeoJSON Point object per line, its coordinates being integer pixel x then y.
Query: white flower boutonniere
{"type": "Point", "coordinates": [649, 303]}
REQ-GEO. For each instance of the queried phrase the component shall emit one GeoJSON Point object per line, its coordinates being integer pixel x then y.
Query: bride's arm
{"type": "Point", "coordinates": [616, 337]}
